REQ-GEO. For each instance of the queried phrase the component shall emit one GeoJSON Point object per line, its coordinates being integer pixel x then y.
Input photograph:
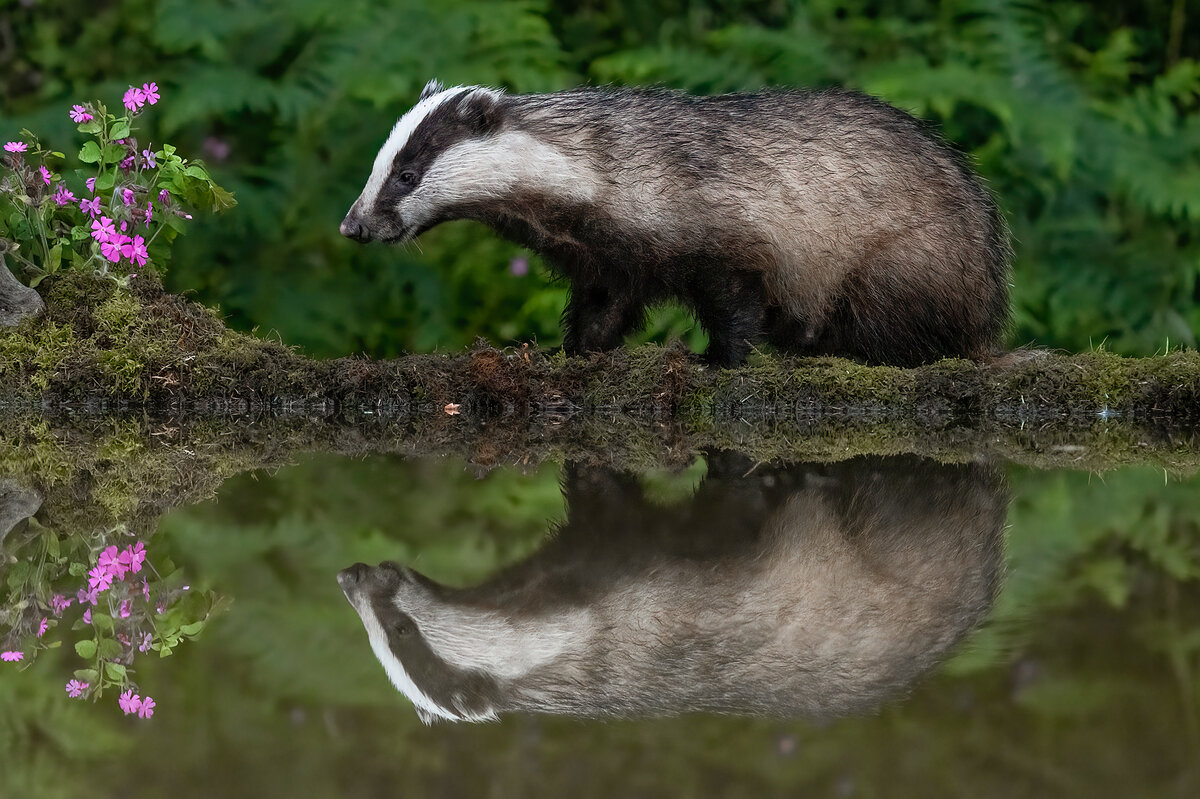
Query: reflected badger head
{"type": "Point", "coordinates": [390, 599]}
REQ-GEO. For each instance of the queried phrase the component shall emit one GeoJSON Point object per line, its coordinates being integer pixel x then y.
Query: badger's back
{"type": "Point", "coordinates": [873, 236]}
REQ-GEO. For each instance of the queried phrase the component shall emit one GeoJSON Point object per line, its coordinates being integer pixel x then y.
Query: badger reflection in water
{"type": "Point", "coordinates": [810, 590]}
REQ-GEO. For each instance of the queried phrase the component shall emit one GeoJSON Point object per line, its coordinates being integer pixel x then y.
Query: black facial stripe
{"type": "Point", "coordinates": [455, 120]}
{"type": "Point", "coordinates": [446, 685]}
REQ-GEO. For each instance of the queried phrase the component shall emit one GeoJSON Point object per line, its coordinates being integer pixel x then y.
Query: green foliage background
{"type": "Point", "coordinates": [1084, 117]}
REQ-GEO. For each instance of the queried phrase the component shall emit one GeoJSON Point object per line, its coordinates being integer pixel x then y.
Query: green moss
{"type": "Point", "coordinates": [35, 351]}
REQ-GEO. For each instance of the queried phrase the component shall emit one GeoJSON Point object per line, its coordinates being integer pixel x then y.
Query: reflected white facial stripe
{"type": "Point", "coordinates": [392, 665]}
{"type": "Point", "coordinates": [399, 136]}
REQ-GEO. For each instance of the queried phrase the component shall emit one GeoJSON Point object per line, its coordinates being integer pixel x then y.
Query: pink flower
{"type": "Point", "coordinates": [100, 579]}
{"type": "Point", "coordinates": [124, 639]}
{"type": "Point", "coordinates": [103, 230]}
{"type": "Point", "coordinates": [134, 556]}
{"type": "Point", "coordinates": [129, 702]}
{"type": "Point", "coordinates": [146, 590]}
{"type": "Point", "coordinates": [16, 147]}
{"type": "Point", "coordinates": [45, 625]}
{"type": "Point", "coordinates": [91, 184]}
{"type": "Point", "coordinates": [90, 207]}
{"type": "Point", "coordinates": [126, 609]}
{"type": "Point", "coordinates": [217, 148]}
{"type": "Point", "coordinates": [45, 174]}
{"type": "Point", "coordinates": [149, 156]}
{"type": "Point", "coordinates": [75, 688]}
{"type": "Point", "coordinates": [111, 249]}
{"type": "Point", "coordinates": [90, 597]}
{"type": "Point", "coordinates": [63, 197]}
{"type": "Point", "coordinates": [164, 197]}
{"type": "Point", "coordinates": [87, 616]}
{"type": "Point", "coordinates": [147, 639]}
{"type": "Point", "coordinates": [127, 196]}
{"type": "Point", "coordinates": [12, 657]}
{"type": "Point", "coordinates": [134, 98]}
{"type": "Point", "coordinates": [149, 213]}
{"type": "Point", "coordinates": [80, 114]}
{"type": "Point", "coordinates": [147, 708]}
{"type": "Point", "coordinates": [127, 163]}
{"type": "Point", "coordinates": [150, 92]}
{"type": "Point", "coordinates": [519, 266]}
{"type": "Point", "coordinates": [135, 250]}
{"type": "Point", "coordinates": [59, 603]}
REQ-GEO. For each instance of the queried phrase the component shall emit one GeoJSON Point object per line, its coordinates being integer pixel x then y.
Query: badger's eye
{"type": "Point", "coordinates": [404, 628]}
{"type": "Point", "coordinates": [408, 177]}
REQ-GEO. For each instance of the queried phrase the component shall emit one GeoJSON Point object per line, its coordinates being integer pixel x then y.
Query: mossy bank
{"type": "Point", "coordinates": [105, 350]}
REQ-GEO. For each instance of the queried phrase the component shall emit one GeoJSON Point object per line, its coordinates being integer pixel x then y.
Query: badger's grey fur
{"type": "Point", "coordinates": [809, 591]}
{"type": "Point", "coordinates": [825, 222]}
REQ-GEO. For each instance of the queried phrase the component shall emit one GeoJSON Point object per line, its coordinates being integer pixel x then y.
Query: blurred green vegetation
{"type": "Point", "coordinates": [1084, 118]}
{"type": "Point", "coordinates": [1083, 683]}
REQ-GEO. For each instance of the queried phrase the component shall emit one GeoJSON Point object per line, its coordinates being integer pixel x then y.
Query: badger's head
{"type": "Point", "coordinates": [426, 655]}
{"type": "Point", "coordinates": [433, 162]}
{"type": "Point", "coordinates": [459, 153]}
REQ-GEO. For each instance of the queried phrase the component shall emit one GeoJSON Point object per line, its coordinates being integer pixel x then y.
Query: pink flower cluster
{"type": "Point", "coordinates": [12, 657]}
{"type": "Point", "coordinates": [132, 703]}
{"type": "Point", "coordinates": [135, 98]}
{"type": "Point", "coordinates": [114, 564]}
{"type": "Point", "coordinates": [115, 245]}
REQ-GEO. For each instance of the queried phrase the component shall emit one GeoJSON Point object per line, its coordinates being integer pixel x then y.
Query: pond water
{"type": "Point", "coordinates": [875, 627]}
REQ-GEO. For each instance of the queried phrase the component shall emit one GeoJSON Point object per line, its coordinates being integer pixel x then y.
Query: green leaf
{"type": "Point", "coordinates": [115, 671]}
{"type": "Point", "coordinates": [114, 153]}
{"type": "Point", "coordinates": [222, 199]}
{"type": "Point", "coordinates": [90, 153]}
{"type": "Point", "coordinates": [102, 622]}
{"type": "Point", "coordinates": [164, 652]}
{"type": "Point", "coordinates": [119, 130]}
{"type": "Point", "coordinates": [86, 675]}
{"type": "Point", "coordinates": [91, 127]}
{"type": "Point", "coordinates": [197, 172]}
{"type": "Point", "coordinates": [193, 628]}
{"type": "Point", "coordinates": [77, 569]}
{"type": "Point", "coordinates": [105, 181]}
{"type": "Point", "coordinates": [110, 649]}
{"type": "Point", "coordinates": [55, 259]}
{"type": "Point", "coordinates": [85, 649]}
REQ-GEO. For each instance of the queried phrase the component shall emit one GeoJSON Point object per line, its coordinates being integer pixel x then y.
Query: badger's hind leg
{"type": "Point", "coordinates": [598, 316]}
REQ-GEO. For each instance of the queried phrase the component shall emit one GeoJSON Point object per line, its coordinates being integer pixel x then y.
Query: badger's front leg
{"type": "Point", "coordinates": [731, 307]}
{"type": "Point", "coordinates": [598, 317]}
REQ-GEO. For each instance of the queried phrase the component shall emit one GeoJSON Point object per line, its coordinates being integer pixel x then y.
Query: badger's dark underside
{"type": "Point", "coordinates": [615, 275]}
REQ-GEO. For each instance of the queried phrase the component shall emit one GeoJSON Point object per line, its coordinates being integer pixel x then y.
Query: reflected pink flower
{"type": "Point", "coordinates": [45, 625]}
{"type": "Point", "coordinates": [147, 640]}
{"type": "Point", "coordinates": [87, 616]}
{"type": "Point", "coordinates": [75, 688]}
{"type": "Point", "coordinates": [146, 709]}
{"type": "Point", "coordinates": [99, 579]}
{"type": "Point", "coordinates": [124, 611]}
{"type": "Point", "coordinates": [45, 174]}
{"type": "Point", "coordinates": [134, 556]}
{"type": "Point", "coordinates": [146, 590]}
{"type": "Point", "coordinates": [129, 702]}
{"type": "Point", "coordinates": [16, 147]}
{"type": "Point", "coordinates": [59, 603]}
{"type": "Point", "coordinates": [12, 657]}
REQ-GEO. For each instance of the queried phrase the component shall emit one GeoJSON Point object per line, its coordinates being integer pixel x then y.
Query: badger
{"type": "Point", "coordinates": [823, 222]}
{"type": "Point", "coordinates": [808, 591]}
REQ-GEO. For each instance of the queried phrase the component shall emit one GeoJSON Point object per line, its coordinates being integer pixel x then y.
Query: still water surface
{"type": "Point", "coordinates": [877, 627]}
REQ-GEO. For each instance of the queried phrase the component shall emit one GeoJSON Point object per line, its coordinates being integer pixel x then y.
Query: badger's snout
{"type": "Point", "coordinates": [361, 577]}
{"type": "Point", "coordinates": [353, 228]}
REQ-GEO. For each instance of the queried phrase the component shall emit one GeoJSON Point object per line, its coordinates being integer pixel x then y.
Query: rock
{"type": "Point", "coordinates": [17, 300]}
{"type": "Point", "coordinates": [17, 503]}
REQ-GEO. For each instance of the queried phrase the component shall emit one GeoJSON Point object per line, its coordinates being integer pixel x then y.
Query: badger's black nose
{"type": "Point", "coordinates": [352, 576]}
{"type": "Point", "coordinates": [352, 228]}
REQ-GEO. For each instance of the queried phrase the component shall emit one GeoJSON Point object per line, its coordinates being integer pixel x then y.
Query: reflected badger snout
{"type": "Point", "coordinates": [353, 228]}
{"type": "Point", "coordinates": [360, 576]}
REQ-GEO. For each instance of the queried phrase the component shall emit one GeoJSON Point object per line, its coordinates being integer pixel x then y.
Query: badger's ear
{"type": "Point", "coordinates": [433, 87]}
{"type": "Point", "coordinates": [480, 111]}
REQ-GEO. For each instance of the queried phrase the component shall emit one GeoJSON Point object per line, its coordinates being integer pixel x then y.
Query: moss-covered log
{"type": "Point", "coordinates": [173, 371]}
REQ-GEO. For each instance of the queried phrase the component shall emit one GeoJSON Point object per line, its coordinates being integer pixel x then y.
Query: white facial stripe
{"type": "Point", "coordinates": [480, 169]}
{"type": "Point", "coordinates": [392, 665]}
{"type": "Point", "coordinates": [397, 139]}
{"type": "Point", "coordinates": [480, 640]}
